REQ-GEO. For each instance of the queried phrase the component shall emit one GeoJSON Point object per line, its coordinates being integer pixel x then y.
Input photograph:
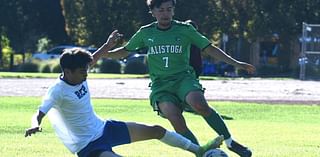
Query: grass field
{"type": "Point", "coordinates": [270, 130]}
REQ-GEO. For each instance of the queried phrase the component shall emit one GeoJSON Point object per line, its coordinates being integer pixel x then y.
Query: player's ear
{"type": "Point", "coordinates": [66, 71]}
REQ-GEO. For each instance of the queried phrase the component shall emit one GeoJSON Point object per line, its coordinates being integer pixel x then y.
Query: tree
{"type": "Point", "coordinates": [52, 22]}
{"type": "Point", "coordinates": [1, 53]}
{"type": "Point", "coordinates": [89, 22]}
{"type": "Point", "coordinates": [25, 22]}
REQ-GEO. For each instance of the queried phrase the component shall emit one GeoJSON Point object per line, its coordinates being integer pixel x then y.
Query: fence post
{"type": "Point", "coordinates": [303, 56]}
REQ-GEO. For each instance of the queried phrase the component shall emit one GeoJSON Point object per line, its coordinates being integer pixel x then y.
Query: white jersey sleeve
{"type": "Point", "coordinates": [52, 97]}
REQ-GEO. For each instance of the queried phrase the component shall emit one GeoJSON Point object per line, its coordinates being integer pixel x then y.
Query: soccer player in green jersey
{"type": "Point", "coordinates": [173, 80]}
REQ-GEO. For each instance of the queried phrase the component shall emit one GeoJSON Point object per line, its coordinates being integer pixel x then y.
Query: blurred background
{"type": "Point", "coordinates": [281, 38]}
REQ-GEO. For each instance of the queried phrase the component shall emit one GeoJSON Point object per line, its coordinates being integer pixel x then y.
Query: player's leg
{"type": "Point", "coordinates": [175, 117]}
{"type": "Point", "coordinates": [140, 132]}
{"type": "Point", "coordinates": [164, 103]}
{"type": "Point", "coordinates": [197, 101]}
{"type": "Point", "coordinates": [190, 91]}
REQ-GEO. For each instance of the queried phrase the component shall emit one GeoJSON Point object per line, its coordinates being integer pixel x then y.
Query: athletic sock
{"type": "Point", "coordinates": [228, 142]}
{"type": "Point", "coordinates": [189, 135]}
{"type": "Point", "coordinates": [176, 140]}
{"type": "Point", "coordinates": [216, 123]}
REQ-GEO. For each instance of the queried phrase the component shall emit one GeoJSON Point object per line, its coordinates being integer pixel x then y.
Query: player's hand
{"type": "Point", "coordinates": [113, 38]}
{"type": "Point", "coordinates": [31, 131]}
{"type": "Point", "coordinates": [248, 67]}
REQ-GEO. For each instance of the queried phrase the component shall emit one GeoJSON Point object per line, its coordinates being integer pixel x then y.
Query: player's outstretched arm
{"type": "Point", "coordinates": [104, 50]}
{"type": "Point", "coordinates": [217, 53]}
{"type": "Point", "coordinates": [35, 124]}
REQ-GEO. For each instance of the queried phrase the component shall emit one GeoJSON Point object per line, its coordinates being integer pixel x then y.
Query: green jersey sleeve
{"type": "Point", "coordinates": [136, 42]}
{"type": "Point", "coordinates": [196, 38]}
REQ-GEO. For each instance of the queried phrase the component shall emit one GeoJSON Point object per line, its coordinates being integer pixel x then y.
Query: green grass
{"type": "Point", "coordinates": [270, 130]}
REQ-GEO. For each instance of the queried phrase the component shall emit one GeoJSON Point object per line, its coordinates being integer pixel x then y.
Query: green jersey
{"type": "Point", "coordinates": [168, 50]}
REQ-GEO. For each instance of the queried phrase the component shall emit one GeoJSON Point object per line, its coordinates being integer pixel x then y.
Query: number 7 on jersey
{"type": "Point", "coordinates": [166, 60]}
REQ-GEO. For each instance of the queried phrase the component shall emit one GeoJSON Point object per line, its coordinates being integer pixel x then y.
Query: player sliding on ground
{"type": "Point", "coordinates": [69, 109]}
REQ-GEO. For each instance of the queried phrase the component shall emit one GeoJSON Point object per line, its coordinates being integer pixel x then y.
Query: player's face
{"type": "Point", "coordinates": [164, 14]}
{"type": "Point", "coordinates": [78, 75]}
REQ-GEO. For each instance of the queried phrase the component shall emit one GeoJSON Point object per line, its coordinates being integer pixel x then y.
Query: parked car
{"type": "Point", "coordinates": [135, 64]}
{"type": "Point", "coordinates": [55, 52]}
{"type": "Point", "coordinates": [136, 57]}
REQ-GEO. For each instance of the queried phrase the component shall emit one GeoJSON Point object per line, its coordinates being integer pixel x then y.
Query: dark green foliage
{"type": "Point", "coordinates": [28, 67]}
{"type": "Point", "coordinates": [56, 69]}
{"type": "Point", "coordinates": [25, 22]}
{"type": "Point", "coordinates": [135, 67]}
{"type": "Point", "coordinates": [87, 22]}
{"type": "Point", "coordinates": [91, 21]}
{"type": "Point", "coordinates": [110, 66]}
{"type": "Point", "coordinates": [46, 68]}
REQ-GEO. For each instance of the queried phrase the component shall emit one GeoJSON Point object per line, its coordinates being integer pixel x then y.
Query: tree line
{"type": "Point", "coordinates": [88, 22]}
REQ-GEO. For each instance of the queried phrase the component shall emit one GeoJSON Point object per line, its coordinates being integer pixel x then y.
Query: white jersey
{"type": "Point", "coordinates": [71, 114]}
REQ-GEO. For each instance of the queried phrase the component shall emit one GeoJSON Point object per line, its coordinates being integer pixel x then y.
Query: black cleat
{"type": "Point", "coordinates": [239, 149]}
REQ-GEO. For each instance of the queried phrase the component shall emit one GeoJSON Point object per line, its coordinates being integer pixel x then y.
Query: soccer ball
{"type": "Point", "coordinates": [215, 153]}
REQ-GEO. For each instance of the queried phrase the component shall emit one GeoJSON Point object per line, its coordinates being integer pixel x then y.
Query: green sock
{"type": "Point", "coordinates": [189, 135]}
{"type": "Point", "coordinates": [216, 123]}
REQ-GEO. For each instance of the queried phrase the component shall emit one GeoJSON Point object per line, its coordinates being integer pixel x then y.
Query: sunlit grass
{"type": "Point", "coordinates": [269, 130]}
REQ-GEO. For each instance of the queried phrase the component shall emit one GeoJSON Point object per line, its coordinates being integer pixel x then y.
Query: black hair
{"type": "Point", "coordinates": [156, 3]}
{"type": "Point", "coordinates": [75, 58]}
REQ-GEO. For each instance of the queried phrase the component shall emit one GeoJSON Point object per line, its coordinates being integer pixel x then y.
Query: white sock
{"type": "Point", "coordinates": [228, 142]}
{"type": "Point", "coordinates": [176, 140]}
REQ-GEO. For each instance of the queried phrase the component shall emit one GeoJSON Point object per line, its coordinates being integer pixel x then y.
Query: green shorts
{"type": "Point", "coordinates": [174, 90]}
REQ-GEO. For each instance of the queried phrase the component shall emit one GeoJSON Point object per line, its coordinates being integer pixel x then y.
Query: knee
{"type": "Point", "coordinates": [202, 109]}
{"type": "Point", "coordinates": [158, 131]}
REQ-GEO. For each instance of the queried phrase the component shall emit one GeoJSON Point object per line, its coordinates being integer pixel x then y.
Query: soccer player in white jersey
{"type": "Point", "coordinates": [85, 134]}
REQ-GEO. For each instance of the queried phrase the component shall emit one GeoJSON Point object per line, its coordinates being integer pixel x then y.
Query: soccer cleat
{"type": "Point", "coordinates": [215, 143]}
{"type": "Point", "coordinates": [239, 149]}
